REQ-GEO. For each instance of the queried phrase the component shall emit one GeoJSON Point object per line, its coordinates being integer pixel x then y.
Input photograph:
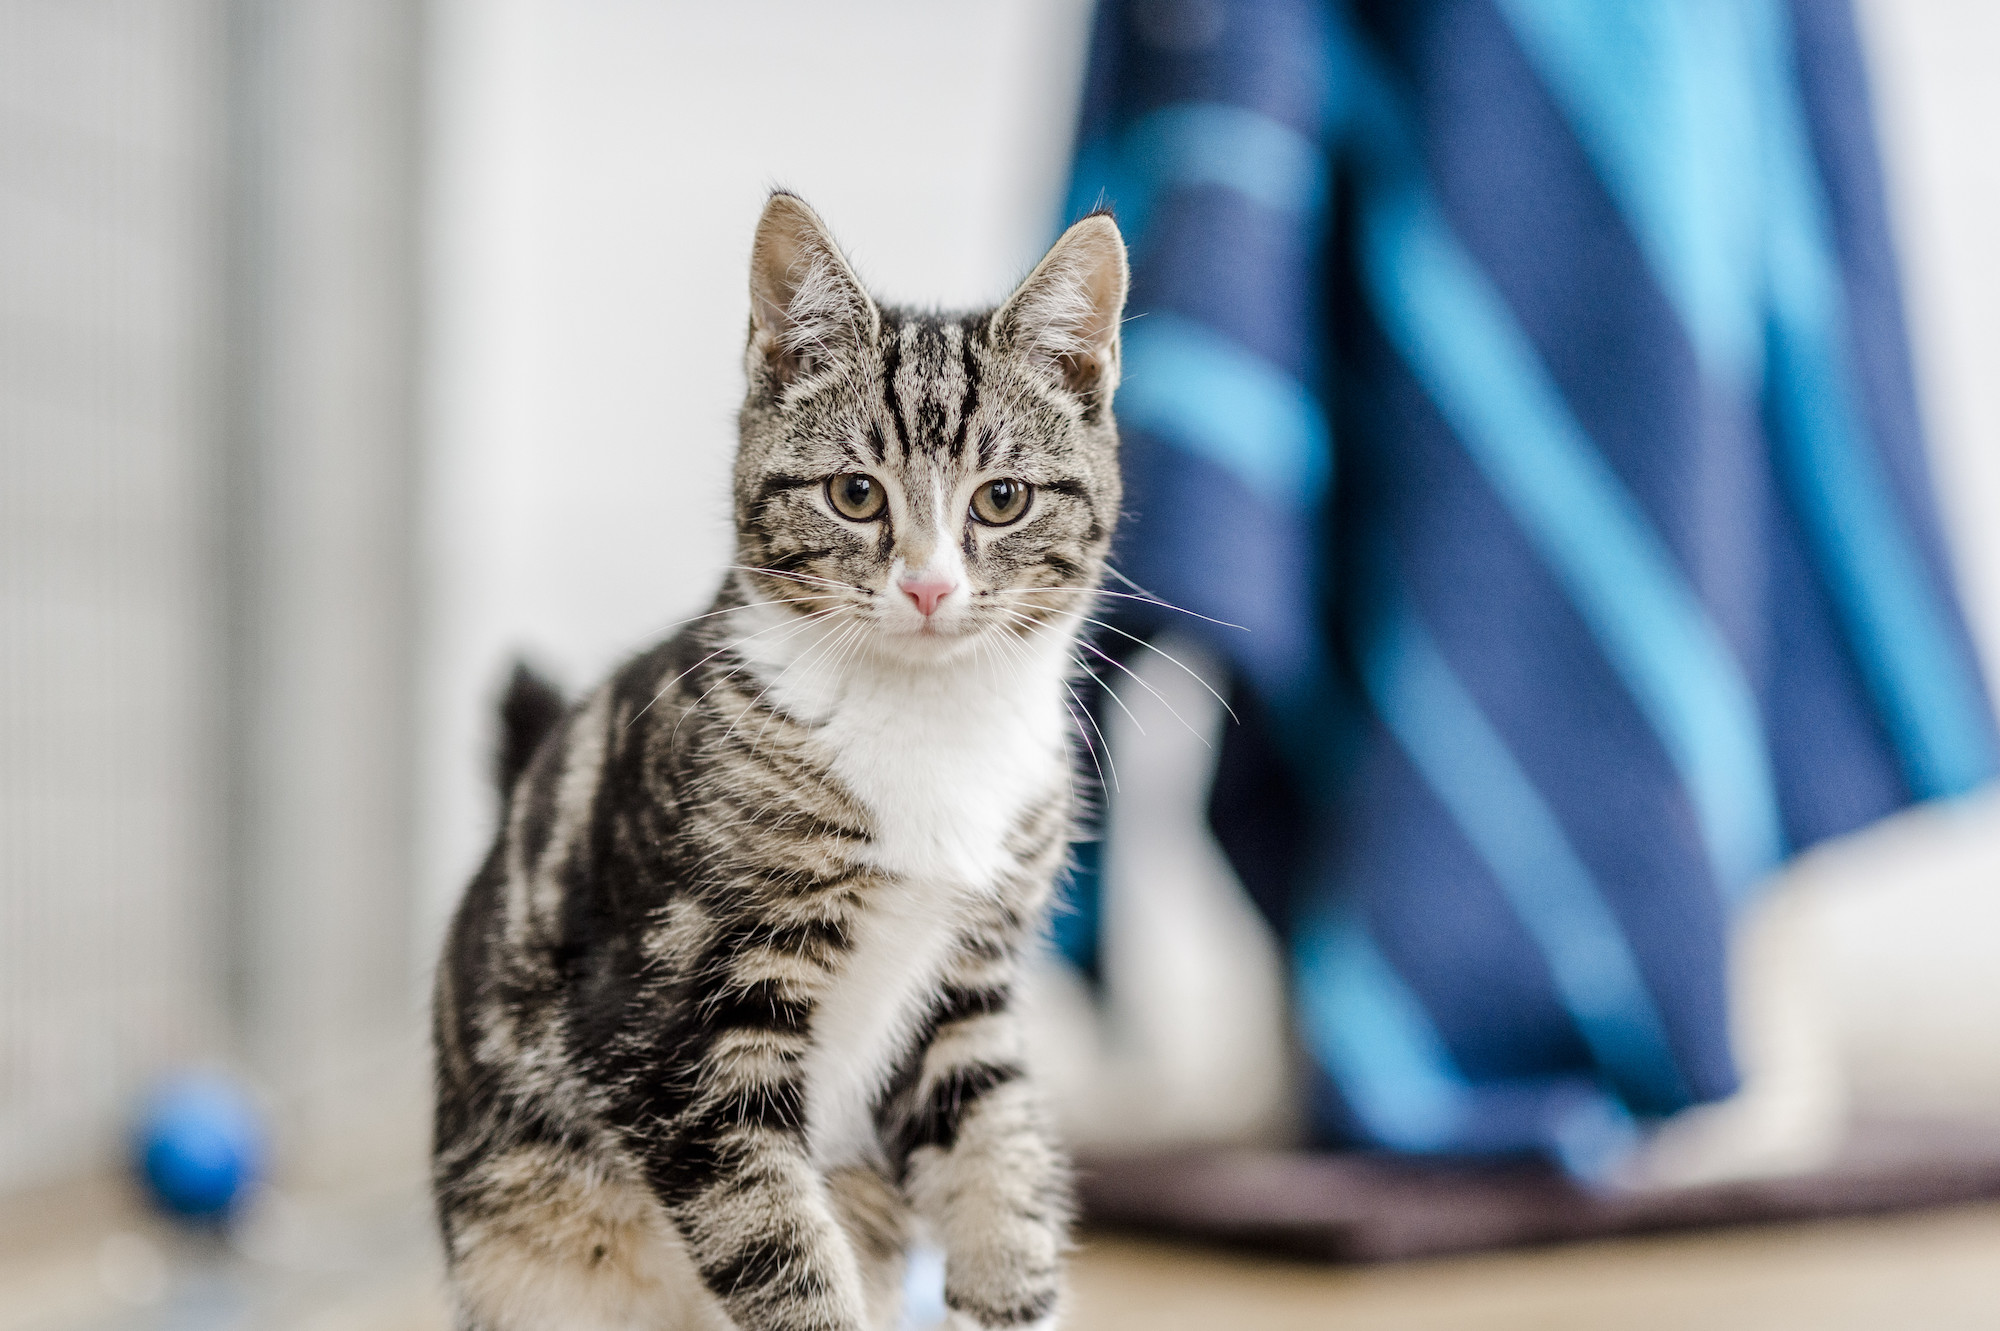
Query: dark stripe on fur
{"type": "Point", "coordinates": [892, 359]}
{"type": "Point", "coordinates": [957, 1002]}
{"type": "Point", "coordinates": [794, 560]}
{"type": "Point", "coordinates": [936, 1120]}
{"type": "Point", "coordinates": [781, 484]}
{"type": "Point", "coordinates": [768, 1266]}
{"type": "Point", "coordinates": [779, 1105]}
{"type": "Point", "coordinates": [968, 404]}
{"type": "Point", "coordinates": [761, 1005]}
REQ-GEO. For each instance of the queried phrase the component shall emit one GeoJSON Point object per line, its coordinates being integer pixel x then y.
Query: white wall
{"type": "Point", "coordinates": [1911, 919]}
{"type": "Point", "coordinates": [599, 165]}
{"type": "Point", "coordinates": [1938, 107]}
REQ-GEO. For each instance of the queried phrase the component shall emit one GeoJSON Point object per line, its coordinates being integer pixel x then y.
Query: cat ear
{"type": "Point", "coordinates": [1064, 318]}
{"type": "Point", "coordinates": [805, 302]}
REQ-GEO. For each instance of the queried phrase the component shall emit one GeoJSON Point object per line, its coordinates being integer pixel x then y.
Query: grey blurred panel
{"type": "Point", "coordinates": [325, 145]}
{"type": "Point", "coordinates": [207, 237]}
{"type": "Point", "coordinates": [110, 522]}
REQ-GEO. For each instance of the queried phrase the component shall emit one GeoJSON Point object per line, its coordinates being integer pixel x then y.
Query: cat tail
{"type": "Point", "coordinates": [529, 710]}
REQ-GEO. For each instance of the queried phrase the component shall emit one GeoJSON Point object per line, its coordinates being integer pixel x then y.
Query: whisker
{"type": "Point", "coordinates": [1126, 596]}
{"type": "Point", "coordinates": [1191, 672]}
{"type": "Point", "coordinates": [846, 642]}
{"type": "Point", "coordinates": [1110, 693]}
{"type": "Point", "coordinates": [846, 649]}
{"type": "Point", "coordinates": [810, 579]}
{"type": "Point", "coordinates": [1101, 740]}
{"type": "Point", "coordinates": [1109, 659]}
{"type": "Point", "coordinates": [1119, 574]}
{"type": "Point", "coordinates": [711, 614]}
{"type": "Point", "coordinates": [797, 661]}
{"type": "Point", "coordinates": [747, 605]}
{"type": "Point", "coordinates": [1099, 749]}
{"type": "Point", "coordinates": [740, 666]}
{"type": "Point", "coordinates": [1140, 680]}
{"type": "Point", "coordinates": [727, 646]}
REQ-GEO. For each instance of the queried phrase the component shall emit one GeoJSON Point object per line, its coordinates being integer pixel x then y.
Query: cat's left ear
{"type": "Point", "coordinates": [1064, 317]}
{"type": "Point", "coordinates": [805, 302]}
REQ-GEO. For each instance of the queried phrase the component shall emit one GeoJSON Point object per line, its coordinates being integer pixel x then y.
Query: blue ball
{"type": "Point", "coordinates": [200, 1145]}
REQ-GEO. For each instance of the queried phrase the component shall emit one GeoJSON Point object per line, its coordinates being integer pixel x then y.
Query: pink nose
{"type": "Point", "coordinates": [927, 591]}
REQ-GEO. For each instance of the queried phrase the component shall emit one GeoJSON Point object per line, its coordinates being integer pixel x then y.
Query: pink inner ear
{"type": "Point", "coordinates": [1081, 371]}
{"type": "Point", "coordinates": [1065, 314]}
{"type": "Point", "coordinates": [806, 299]}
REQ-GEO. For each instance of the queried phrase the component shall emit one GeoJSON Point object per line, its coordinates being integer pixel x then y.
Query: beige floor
{"type": "Point", "coordinates": [1934, 1272]}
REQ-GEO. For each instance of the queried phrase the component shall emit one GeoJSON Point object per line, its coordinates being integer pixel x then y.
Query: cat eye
{"type": "Point", "coordinates": [856, 496]}
{"type": "Point", "coordinates": [998, 503]}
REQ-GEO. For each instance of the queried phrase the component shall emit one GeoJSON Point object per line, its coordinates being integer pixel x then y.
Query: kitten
{"type": "Point", "coordinates": [726, 1011]}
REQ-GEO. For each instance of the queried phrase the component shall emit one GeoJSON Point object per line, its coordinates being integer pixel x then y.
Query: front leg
{"type": "Point", "coordinates": [763, 1233]}
{"type": "Point", "coordinates": [733, 1172]}
{"type": "Point", "coordinates": [983, 1168]}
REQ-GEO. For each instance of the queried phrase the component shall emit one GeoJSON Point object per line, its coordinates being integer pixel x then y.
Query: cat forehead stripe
{"type": "Point", "coordinates": [931, 377]}
{"type": "Point", "coordinates": [892, 360]}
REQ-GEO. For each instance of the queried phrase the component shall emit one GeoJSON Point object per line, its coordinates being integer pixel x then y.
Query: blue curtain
{"type": "Point", "coordinates": [1528, 379]}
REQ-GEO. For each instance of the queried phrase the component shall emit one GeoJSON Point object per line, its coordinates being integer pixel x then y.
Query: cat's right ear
{"type": "Point", "coordinates": [1064, 318]}
{"type": "Point", "coordinates": [805, 303]}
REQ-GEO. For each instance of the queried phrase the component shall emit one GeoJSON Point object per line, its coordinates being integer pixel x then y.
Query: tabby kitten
{"type": "Point", "coordinates": [727, 1010]}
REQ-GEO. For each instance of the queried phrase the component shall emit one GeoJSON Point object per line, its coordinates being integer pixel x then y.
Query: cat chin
{"type": "Point", "coordinates": [928, 645]}
{"type": "Point", "coordinates": [942, 646]}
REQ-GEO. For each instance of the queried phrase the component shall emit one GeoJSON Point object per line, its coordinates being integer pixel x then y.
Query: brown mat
{"type": "Point", "coordinates": [1362, 1208]}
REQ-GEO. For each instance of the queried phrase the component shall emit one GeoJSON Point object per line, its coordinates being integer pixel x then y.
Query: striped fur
{"type": "Point", "coordinates": [728, 1011]}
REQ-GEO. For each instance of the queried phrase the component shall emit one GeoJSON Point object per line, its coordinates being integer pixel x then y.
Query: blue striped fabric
{"type": "Point", "coordinates": [1528, 377]}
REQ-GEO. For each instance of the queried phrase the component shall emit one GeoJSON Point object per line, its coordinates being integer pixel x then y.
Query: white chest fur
{"type": "Point", "coordinates": [946, 757]}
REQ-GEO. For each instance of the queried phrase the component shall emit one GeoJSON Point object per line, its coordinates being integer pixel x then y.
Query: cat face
{"type": "Point", "coordinates": [936, 479]}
